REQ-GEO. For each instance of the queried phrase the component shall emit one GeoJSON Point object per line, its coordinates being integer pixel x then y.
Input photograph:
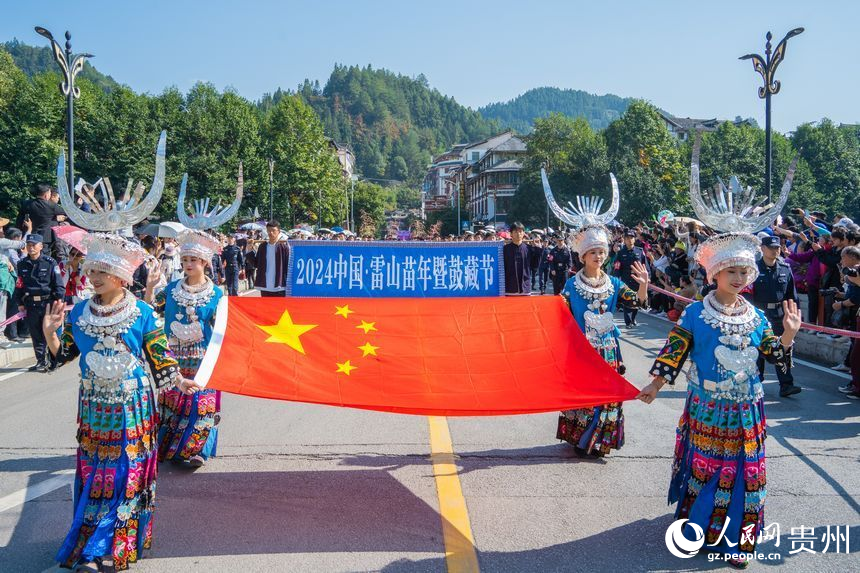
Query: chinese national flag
{"type": "Point", "coordinates": [431, 356]}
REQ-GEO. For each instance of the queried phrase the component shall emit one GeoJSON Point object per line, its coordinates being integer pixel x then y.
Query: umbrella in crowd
{"type": "Point", "coordinates": [252, 227]}
{"type": "Point", "coordinates": [73, 236]}
{"type": "Point", "coordinates": [169, 229]}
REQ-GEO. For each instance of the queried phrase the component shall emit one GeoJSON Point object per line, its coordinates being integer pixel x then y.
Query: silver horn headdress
{"type": "Point", "coordinates": [195, 241]}
{"type": "Point", "coordinates": [115, 215]}
{"type": "Point", "coordinates": [585, 216]}
{"type": "Point", "coordinates": [734, 212]}
{"type": "Point", "coordinates": [733, 208]}
{"type": "Point", "coordinates": [587, 209]}
{"type": "Point", "coordinates": [202, 218]}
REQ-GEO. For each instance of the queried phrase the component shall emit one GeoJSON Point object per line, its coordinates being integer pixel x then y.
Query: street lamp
{"type": "Point", "coordinates": [70, 67]}
{"type": "Point", "coordinates": [766, 66]}
{"type": "Point", "coordinates": [352, 180]}
{"type": "Point", "coordinates": [271, 188]}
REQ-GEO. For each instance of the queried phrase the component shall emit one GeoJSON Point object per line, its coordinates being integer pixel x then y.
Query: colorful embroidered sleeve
{"type": "Point", "coordinates": [628, 297]}
{"type": "Point", "coordinates": [164, 367]}
{"type": "Point", "coordinates": [670, 360]}
{"type": "Point", "coordinates": [773, 350]}
{"type": "Point", "coordinates": [68, 348]}
{"type": "Point", "coordinates": [160, 301]}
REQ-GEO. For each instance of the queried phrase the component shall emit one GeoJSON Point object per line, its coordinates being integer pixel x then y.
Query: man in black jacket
{"type": "Point", "coordinates": [42, 213]}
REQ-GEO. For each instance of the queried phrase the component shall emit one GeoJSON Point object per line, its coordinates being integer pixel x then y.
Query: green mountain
{"type": "Point", "coordinates": [519, 113]}
{"type": "Point", "coordinates": [393, 123]}
{"type": "Point", "coordinates": [34, 60]}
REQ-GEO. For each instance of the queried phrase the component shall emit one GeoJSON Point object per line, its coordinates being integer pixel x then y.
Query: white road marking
{"type": "Point", "coordinates": [12, 374]}
{"type": "Point", "coordinates": [30, 493]}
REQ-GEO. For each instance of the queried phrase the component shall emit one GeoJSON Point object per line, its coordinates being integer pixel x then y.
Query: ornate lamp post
{"type": "Point", "coordinates": [766, 66]}
{"type": "Point", "coordinates": [70, 67]}
{"type": "Point", "coordinates": [272, 189]}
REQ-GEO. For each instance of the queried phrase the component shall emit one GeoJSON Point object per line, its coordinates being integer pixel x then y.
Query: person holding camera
{"type": "Point", "coordinates": [848, 302]}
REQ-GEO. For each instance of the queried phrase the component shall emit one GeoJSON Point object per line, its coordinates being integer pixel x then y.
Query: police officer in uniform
{"type": "Point", "coordinates": [774, 285]}
{"type": "Point", "coordinates": [232, 258]}
{"type": "Point", "coordinates": [628, 254]}
{"type": "Point", "coordinates": [39, 284]}
{"type": "Point", "coordinates": [560, 261]}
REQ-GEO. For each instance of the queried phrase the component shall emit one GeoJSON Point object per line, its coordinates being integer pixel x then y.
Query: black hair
{"type": "Point", "coordinates": [149, 242]}
{"type": "Point", "coordinates": [851, 251]}
{"type": "Point", "coordinates": [273, 223]}
{"type": "Point", "coordinates": [40, 189]}
{"type": "Point", "coordinates": [517, 226]}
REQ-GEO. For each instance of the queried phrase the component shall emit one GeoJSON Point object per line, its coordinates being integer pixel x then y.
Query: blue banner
{"type": "Point", "coordinates": [395, 269]}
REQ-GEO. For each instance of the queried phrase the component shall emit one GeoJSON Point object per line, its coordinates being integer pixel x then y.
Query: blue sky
{"type": "Point", "coordinates": [681, 56]}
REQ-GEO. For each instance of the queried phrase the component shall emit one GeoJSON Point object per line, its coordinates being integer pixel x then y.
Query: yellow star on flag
{"type": "Point", "coordinates": [368, 348]}
{"type": "Point", "coordinates": [345, 367]}
{"type": "Point", "coordinates": [343, 311]}
{"type": "Point", "coordinates": [287, 332]}
{"type": "Point", "coordinates": [367, 326]}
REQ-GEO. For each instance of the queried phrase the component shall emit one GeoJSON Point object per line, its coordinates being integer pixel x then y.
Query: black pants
{"type": "Point", "coordinates": [35, 315]}
{"type": "Point", "coordinates": [232, 279]}
{"type": "Point", "coordinates": [785, 377]}
{"type": "Point", "coordinates": [629, 314]}
{"type": "Point", "coordinates": [250, 273]}
{"type": "Point", "coordinates": [812, 309]}
{"type": "Point", "coordinates": [558, 282]}
{"type": "Point", "coordinates": [267, 293]}
{"type": "Point", "coordinates": [12, 327]}
{"type": "Point", "coordinates": [534, 271]}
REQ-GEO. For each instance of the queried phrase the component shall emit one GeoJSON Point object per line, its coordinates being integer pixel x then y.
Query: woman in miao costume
{"type": "Point", "coordinates": [120, 342]}
{"type": "Point", "coordinates": [718, 474]}
{"type": "Point", "coordinates": [188, 429]}
{"type": "Point", "coordinates": [592, 296]}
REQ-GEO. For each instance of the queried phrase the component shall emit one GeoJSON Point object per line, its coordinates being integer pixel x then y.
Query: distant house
{"type": "Point", "coordinates": [682, 127]}
{"type": "Point", "coordinates": [488, 170]}
{"type": "Point", "coordinates": [345, 157]}
{"type": "Point", "coordinates": [493, 179]}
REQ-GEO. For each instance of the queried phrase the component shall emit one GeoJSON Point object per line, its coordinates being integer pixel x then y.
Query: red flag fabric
{"type": "Point", "coordinates": [430, 356]}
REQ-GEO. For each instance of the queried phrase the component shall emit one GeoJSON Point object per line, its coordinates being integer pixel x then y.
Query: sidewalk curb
{"type": "Point", "coordinates": [16, 352]}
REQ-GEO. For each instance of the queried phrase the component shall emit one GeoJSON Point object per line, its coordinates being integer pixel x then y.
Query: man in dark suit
{"type": "Point", "coordinates": [273, 258]}
{"type": "Point", "coordinates": [516, 257]}
{"type": "Point", "coordinates": [42, 213]}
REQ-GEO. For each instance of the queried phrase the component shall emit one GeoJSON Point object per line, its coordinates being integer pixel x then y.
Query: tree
{"type": "Point", "coordinates": [576, 162]}
{"type": "Point", "coordinates": [307, 175]}
{"type": "Point", "coordinates": [647, 162]}
{"type": "Point", "coordinates": [448, 219]}
{"type": "Point", "coordinates": [833, 156]}
{"type": "Point", "coordinates": [369, 204]}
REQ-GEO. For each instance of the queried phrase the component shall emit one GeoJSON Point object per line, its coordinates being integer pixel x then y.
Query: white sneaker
{"type": "Point", "coordinates": [840, 368]}
{"type": "Point", "coordinates": [196, 461]}
{"type": "Point", "coordinates": [848, 388]}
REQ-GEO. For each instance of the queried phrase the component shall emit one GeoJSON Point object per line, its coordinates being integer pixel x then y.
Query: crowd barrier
{"type": "Point", "coordinates": [805, 325]}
